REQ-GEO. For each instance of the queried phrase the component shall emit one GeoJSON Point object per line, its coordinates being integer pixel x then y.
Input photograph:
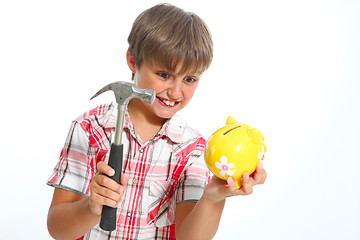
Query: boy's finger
{"type": "Point", "coordinates": [105, 200]}
{"type": "Point", "coordinates": [107, 187]}
{"type": "Point", "coordinates": [246, 184]}
{"type": "Point", "coordinates": [103, 168]}
{"type": "Point", "coordinates": [258, 177]}
{"type": "Point", "coordinates": [106, 182]}
{"type": "Point", "coordinates": [264, 175]}
{"type": "Point", "coordinates": [231, 189]}
{"type": "Point", "coordinates": [124, 179]}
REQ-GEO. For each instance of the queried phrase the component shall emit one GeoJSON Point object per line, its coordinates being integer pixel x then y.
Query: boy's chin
{"type": "Point", "coordinates": [166, 116]}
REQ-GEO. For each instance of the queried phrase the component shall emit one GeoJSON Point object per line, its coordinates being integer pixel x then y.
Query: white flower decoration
{"type": "Point", "coordinates": [224, 166]}
{"type": "Point", "coordinates": [261, 155]}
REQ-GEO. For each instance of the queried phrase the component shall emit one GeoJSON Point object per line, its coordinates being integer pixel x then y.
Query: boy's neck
{"type": "Point", "coordinates": [146, 124]}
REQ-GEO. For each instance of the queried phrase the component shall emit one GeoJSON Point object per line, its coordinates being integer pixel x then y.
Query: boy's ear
{"type": "Point", "coordinates": [131, 61]}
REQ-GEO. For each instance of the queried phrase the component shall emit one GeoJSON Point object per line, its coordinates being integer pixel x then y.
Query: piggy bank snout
{"type": "Point", "coordinates": [255, 135]}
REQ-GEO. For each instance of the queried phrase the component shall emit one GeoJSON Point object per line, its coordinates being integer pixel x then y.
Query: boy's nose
{"type": "Point", "coordinates": [175, 90]}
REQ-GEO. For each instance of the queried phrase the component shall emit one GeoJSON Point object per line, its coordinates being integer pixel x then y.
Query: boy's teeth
{"type": "Point", "coordinates": [167, 102]}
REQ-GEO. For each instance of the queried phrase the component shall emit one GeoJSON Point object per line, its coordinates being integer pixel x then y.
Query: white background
{"type": "Point", "coordinates": [289, 68]}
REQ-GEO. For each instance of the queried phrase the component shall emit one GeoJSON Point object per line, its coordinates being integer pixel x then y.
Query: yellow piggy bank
{"type": "Point", "coordinates": [233, 150]}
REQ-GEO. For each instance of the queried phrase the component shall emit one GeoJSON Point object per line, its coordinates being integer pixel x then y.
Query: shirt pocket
{"type": "Point", "coordinates": [161, 207]}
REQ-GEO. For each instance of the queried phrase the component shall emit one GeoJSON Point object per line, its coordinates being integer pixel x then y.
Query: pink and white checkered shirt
{"type": "Point", "coordinates": [166, 170]}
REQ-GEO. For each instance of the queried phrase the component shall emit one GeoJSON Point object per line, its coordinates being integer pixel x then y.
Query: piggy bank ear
{"type": "Point", "coordinates": [255, 135]}
{"type": "Point", "coordinates": [230, 120]}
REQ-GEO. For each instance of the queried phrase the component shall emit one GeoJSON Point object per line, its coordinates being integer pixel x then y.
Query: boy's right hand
{"type": "Point", "coordinates": [104, 190]}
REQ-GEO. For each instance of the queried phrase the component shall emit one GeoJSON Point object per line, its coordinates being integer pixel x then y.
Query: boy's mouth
{"type": "Point", "coordinates": [166, 102]}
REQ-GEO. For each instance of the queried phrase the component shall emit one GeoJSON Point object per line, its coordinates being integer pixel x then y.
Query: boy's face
{"type": "Point", "coordinates": [173, 90]}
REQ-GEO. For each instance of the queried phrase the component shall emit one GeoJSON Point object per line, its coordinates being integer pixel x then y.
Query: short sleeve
{"type": "Point", "coordinates": [75, 168]}
{"type": "Point", "coordinates": [193, 181]}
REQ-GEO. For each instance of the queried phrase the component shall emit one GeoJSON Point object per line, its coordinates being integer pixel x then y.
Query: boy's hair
{"type": "Point", "coordinates": [165, 35]}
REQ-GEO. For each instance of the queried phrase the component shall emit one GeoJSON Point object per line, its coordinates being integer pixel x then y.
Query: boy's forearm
{"type": "Point", "coordinates": [71, 220]}
{"type": "Point", "coordinates": [202, 222]}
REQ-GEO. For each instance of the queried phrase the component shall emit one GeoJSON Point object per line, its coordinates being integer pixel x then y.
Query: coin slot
{"type": "Point", "coordinates": [231, 130]}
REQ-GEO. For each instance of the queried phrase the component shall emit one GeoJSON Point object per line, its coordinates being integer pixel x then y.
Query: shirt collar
{"type": "Point", "coordinates": [174, 129]}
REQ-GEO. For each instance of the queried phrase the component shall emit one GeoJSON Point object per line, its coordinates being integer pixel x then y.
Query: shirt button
{"type": "Point", "coordinates": [135, 181]}
{"type": "Point", "coordinates": [128, 214]}
{"type": "Point", "coordinates": [141, 150]}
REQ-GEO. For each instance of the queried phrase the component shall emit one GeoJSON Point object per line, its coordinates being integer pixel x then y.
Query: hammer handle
{"type": "Point", "coordinates": [108, 217]}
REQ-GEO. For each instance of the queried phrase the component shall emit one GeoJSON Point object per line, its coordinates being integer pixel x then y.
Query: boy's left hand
{"type": "Point", "coordinates": [218, 189]}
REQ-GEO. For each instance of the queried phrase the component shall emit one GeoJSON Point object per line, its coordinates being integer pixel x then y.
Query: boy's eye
{"type": "Point", "coordinates": [163, 75]}
{"type": "Point", "coordinates": [189, 79]}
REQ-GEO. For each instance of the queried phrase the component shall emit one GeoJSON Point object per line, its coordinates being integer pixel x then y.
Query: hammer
{"type": "Point", "coordinates": [124, 92]}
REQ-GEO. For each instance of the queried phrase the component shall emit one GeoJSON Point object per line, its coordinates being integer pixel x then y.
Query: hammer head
{"type": "Point", "coordinates": [125, 91]}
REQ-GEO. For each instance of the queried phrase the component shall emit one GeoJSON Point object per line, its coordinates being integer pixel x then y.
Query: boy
{"type": "Point", "coordinates": [165, 191]}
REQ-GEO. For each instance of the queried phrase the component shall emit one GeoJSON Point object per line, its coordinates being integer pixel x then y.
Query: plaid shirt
{"type": "Point", "coordinates": [166, 170]}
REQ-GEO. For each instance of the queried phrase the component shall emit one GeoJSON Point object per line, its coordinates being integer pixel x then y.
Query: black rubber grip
{"type": "Point", "coordinates": [108, 216]}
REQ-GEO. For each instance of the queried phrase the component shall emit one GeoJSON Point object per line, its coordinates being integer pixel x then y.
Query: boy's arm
{"type": "Point", "coordinates": [197, 220]}
{"type": "Point", "coordinates": [201, 220]}
{"type": "Point", "coordinates": [72, 215]}
{"type": "Point", "coordinates": [69, 215]}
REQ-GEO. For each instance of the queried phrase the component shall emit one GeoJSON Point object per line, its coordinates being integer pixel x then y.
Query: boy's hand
{"type": "Point", "coordinates": [104, 190]}
{"type": "Point", "coordinates": [219, 189]}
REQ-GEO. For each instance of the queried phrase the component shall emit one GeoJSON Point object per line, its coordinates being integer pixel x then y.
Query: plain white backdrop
{"type": "Point", "coordinates": [289, 68]}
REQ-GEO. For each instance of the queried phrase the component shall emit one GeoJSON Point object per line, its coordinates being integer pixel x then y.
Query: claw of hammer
{"type": "Point", "coordinates": [125, 91]}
